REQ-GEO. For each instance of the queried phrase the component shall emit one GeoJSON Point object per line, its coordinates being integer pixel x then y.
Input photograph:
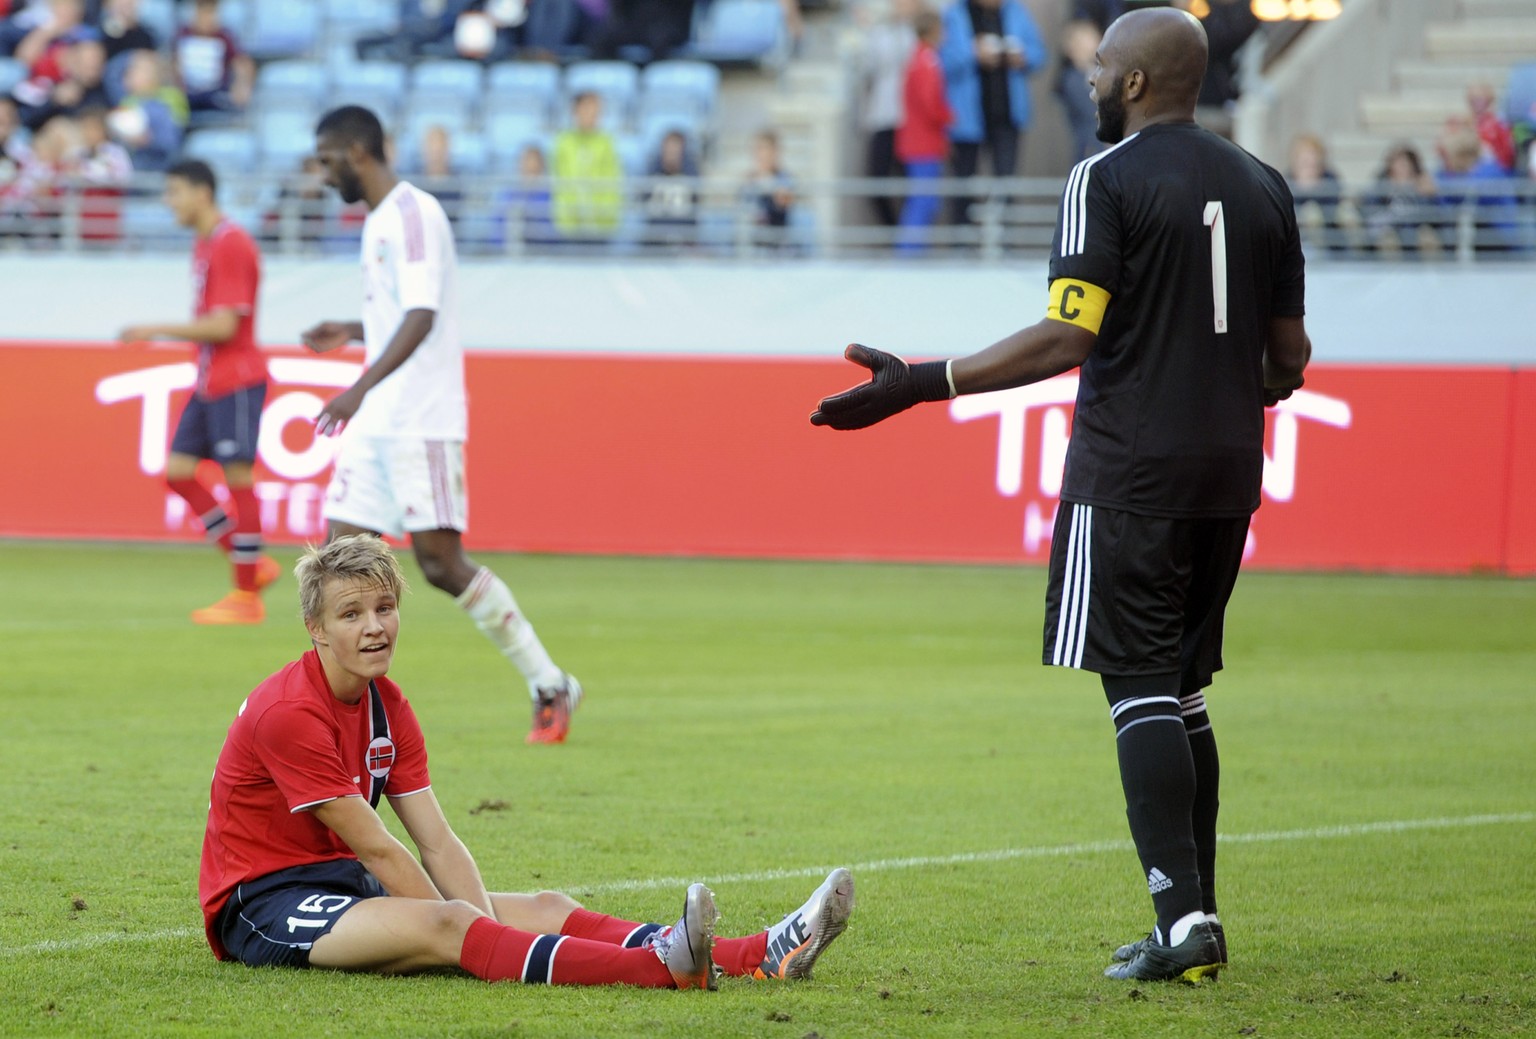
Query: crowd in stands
{"type": "Point", "coordinates": [585, 124]}
{"type": "Point", "coordinates": [1470, 199]}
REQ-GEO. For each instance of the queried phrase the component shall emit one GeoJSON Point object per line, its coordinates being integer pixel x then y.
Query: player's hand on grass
{"type": "Point", "coordinates": [337, 413]}
{"type": "Point", "coordinates": [894, 386]}
{"type": "Point", "coordinates": [327, 336]}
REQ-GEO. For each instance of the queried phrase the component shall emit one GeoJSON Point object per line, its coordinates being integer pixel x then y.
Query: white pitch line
{"type": "Point", "coordinates": [95, 941]}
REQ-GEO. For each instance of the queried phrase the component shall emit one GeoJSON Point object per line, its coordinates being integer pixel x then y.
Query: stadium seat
{"type": "Point", "coordinates": [292, 80]}
{"type": "Point", "coordinates": [379, 85]}
{"type": "Point", "coordinates": [656, 126]}
{"type": "Point", "coordinates": [226, 149]}
{"type": "Point", "coordinates": [148, 224]}
{"type": "Point", "coordinates": [618, 82]}
{"type": "Point", "coordinates": [521, 86]}
{"type": "Point", "coordinates": [284, 135]}
{"type": "Point", "coordinates": [450, 79]}
{"type": "Point", "coordinates": [1520, 102]}
{"type": "Point", "coordinates": [346, 19]}
{"type": "Point", "coordinates": [667, 83]}
{"type": "Point", "coordinates": [11, 73]}
{"type": "Point", "coordinates": [632, 154]}
{"type": "Point", "coordinates": [159, 17]}
{"type": "Point", "coordinates": [283, 29]}
{"type": "Point", "coordinates": [742, 32]}
{"type": "Point", "coordinates": [508, 133]}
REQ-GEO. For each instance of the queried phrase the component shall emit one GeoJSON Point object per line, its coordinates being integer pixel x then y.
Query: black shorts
{"type": "Point", "coordinates": [273, 920]}
{"type": "Point", "coordinates": [221, 428]}
{"type": "Point", "coordinates": [1140, 595]}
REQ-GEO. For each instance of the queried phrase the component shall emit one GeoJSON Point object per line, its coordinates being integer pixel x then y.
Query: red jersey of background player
{"type": "Point", "coordinates": [226, 272]}
{"type": "Point", "coordinates": [292, 746]}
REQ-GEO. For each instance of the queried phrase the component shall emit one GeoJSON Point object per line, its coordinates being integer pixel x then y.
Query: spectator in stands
{"type": "Point", "coordinates": [769, 190]}
{"type": "Point", "coordinates": [211, 69]}
{"type": "Point", "coordinates": [649, 28]}
{"type": "Point", "coordinates": [144, 122]}
{"type": "Point", "coordinates": [1318, 194]}
{"type": "Point", "coordinates": [19, 19]}
{"type": "Point", "coordinates": [1400, 209]}
{"type": "Point", "coordinates": [438, 177]}
{"type": "Point", "coordinates": [121, 30]}
{"type": "Point", "coordinates": [1098, 13]}
{"type": "Point", "coordinates": [425, 28]}
{"type": "Point", "coordinates": [882, 63]}
{"type": "Point", "coordinates": [1079, 43]}
{"type": "Point", "coordinates": [102, 171]}
{"type": "Point", "coordinates": [990, 49]}
{"type": "Point", "coordinates": [1228, 24]}
{"type": "Point", "coordinates": [588, 176]}
{"type": "Point", "coordinates": [13, 145]}
{"type": "Point", "coordinates": [672, 198]}
{"type": "Point", "coordinates": [922, 140]}
{"type": "Point", "coordinates": [41, 48]}
{"type": "Point", "coordinates": [1476, 193]}
{"type": "Point", "coordinates": [299, 213]}
{"type": "Point", "coordinates": [525, 211]}
{"type": "Point", "coordinates": [81, 68]}
{"type": "Point", "coordinates": [33, 202]}
{"type": "Point", "coordinates": [1498, 140]}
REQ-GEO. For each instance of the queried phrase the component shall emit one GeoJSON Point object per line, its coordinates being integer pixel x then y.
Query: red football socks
{"type": "Point", "coordinates": [245, 542]}
{"type": "Point", "coordinates": [216, 522]}
{"type": "Point", "coordinates": [496, 953]}
{"type": "Point", "coordinates": [737, 957]}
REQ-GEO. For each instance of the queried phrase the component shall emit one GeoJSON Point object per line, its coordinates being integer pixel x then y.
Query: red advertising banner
{"type": "Point", "coordinates": [1379, 468]}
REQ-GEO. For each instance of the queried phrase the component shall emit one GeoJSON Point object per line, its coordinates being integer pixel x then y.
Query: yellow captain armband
{"type": "Point", "coordinates": [1077, 303]}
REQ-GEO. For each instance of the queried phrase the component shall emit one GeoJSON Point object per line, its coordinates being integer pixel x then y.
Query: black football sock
{"type": "Point", "coordinates": [1202, 747]}
{"type": "Point", "coordinates": [1157, 773]}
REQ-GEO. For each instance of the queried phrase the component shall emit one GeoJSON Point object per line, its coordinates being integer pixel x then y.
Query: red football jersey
{"type": "Point", "coordinates": [226, 272]}
{"type": "Point", "coordinates": [292, 746]}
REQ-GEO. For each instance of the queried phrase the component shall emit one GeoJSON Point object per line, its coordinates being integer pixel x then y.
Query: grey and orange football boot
{"type": "Point", "coordinates": [796, 941]}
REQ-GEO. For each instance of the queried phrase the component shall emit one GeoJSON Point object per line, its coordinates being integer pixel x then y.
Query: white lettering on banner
{"type": "Point", "coordinates": [1054, 397]}
{"type": "Point", "coordinates": [292, 502]}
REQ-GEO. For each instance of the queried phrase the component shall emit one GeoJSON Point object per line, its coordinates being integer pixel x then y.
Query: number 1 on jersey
{"type": "Point", "coordinates": [1218, 226]}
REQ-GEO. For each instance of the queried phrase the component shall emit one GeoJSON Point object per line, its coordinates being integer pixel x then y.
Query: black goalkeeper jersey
{"type": "Point", "coordinates": [1195, 241]}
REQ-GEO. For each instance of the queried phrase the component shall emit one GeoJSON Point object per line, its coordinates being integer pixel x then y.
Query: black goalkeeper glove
{"type": "Point", "coordinates": [894, 386]}
{"type": "Point", "coordinates": [1274, 395]}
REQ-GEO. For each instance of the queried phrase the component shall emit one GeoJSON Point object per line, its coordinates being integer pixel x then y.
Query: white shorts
{"type": "Point", "coordinates": [395, 485]}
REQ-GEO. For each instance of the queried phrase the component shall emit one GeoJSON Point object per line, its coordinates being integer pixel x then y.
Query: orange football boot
{"type": "Point", "coordinates": [235, 608]}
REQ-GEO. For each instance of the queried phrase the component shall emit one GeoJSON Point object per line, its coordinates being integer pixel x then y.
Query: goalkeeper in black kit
{"type": "Point", "coordinates": [1177, 284]}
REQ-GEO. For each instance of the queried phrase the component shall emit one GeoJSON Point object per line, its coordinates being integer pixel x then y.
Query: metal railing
{"type": "Point", "coordinates": [979, 218]}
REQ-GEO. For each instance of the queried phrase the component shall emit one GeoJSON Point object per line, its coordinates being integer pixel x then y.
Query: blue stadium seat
{"type": "Point", "coordinates": [159, 17]}
{"type": "Point", "coordinates": [670, 83]}
{"type": "Point", "coordinates": [11, 73]}
{"type": "Point", "coordinates": [1520, 102]}
{"type": "Point", "coordinates": [292, 80]}
{"type": "Point", "coordinates": [285, 135]}
{"type": "Point", "coordinates": [618, 82]}
{"type": "Point", "coordinates": [632, 154]}
{"type": "Point", "coordinates": [451, 79]}
{"type": "Point", "coordinates": [471, 155]}
{"type": "Point", "coordinates": [456, 115]}
{"type": "Point", "coordinates": [742, 32]}
{"type": "Point", "coordinates": [508, 133]}
{"type": "Point", "coordinates": [379, 85]}
{"type": "Point", "coordinates": [521, 86]}
{"type": "Point", "coordinates": [283, 29]}
{"type": "Point", "coordinates": [226, 149]}
{"type": "Point", "coordinates": [346, 19]}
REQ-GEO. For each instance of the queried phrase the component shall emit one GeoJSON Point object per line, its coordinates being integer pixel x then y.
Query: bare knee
{"type": "Point", "coordinates": [554, 904]}
{"type": "Point", "coordinates": [448, 922]}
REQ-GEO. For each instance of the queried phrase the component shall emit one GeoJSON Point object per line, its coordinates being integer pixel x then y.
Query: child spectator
{"type": "Point", "coordinates": [76, 83]}
{"type": "Point", "coordinates": [587, 175]}
{"type": "Point", "coordinates": [1400, 209]}
{"type": "Point", "coordinates": [1497, 138]}
{"type": "Point", "coordinates": [882, 60]}
{"type": "Point", "coordinates": [211, 69]}
{"type": "Point", "coordinates": [922, 140]}
{"type": "Point", "coordinates": [672, 202]}
{"type": "Point", "coordinates": [299, 213]}
{"type": "Point", "coordinates": [14, 152]}
{"type": "Point", "coordinates": [525, 211]}
{"type": "Point", "coordinates": [102, 171]}
{"type": "Point", "coordinates": [437, 174]}
{"type": "Point", "coordinates": [33, 201]}
{"type": "Point", "coordinates": [769, 190]}
{"type": "Point", "coordinates": [144, 122]}
{"type": "Point", "coordinates": [1317, 193]}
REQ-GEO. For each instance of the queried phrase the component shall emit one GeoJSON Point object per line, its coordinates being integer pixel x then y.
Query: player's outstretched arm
{"type": "Point", "coordinates": [1030, 355]}
{"type": "Point", "coordinates": [1287, 351]}
{"type": "Point", "coordinates": [443, 855]}
{"type": "Point", "coordinates": [360, 827]}
{"type": "Point", "coordinates": [216, 326]}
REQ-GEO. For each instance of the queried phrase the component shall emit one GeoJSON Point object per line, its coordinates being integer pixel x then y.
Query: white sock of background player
{"type": "Point", "coordinates": [489, 602]}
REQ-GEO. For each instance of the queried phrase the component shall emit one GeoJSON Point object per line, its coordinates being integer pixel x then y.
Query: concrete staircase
{"type": "Point", "coordinates": [1480, 46]}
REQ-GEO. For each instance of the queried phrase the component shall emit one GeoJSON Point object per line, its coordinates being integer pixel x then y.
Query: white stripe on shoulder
{"type": "Point", "coordinates": [1074, 200]}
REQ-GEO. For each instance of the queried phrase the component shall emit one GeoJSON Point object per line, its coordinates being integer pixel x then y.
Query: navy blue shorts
{"type": "Point", "coordinates": [273, 920]}
{"type": "Point", "coordinates": [221, 428]}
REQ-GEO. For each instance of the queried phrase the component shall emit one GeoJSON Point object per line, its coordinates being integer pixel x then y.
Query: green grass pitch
{"type": "Point", "coordinates": [750, 725]}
